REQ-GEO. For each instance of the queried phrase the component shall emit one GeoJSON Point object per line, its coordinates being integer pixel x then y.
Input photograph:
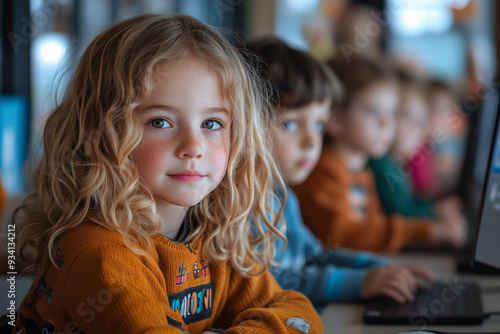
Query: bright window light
{"type": "Point", "coordinates": [414, 18]}
{"type": "Point", "coordinates": [50, 48]}
{"type": "Point", "coordinates": [302, 6]}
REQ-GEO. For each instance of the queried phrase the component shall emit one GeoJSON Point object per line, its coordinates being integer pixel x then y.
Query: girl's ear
{"type": "Point", "coordinates": [334, 125]}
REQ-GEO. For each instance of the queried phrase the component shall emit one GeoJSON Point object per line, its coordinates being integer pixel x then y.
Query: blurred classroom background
{"type": "Point", "coordinates": [452, 40]}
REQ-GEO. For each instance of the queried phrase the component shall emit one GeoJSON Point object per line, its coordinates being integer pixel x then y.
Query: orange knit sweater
{"type": "Point", "coordinates": [103, 287]}
{"type": "Point", "coordinates": [327, 210]}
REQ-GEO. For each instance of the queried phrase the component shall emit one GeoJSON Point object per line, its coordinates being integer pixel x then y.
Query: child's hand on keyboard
{"type": "Point", "coordinates": [396, 282]}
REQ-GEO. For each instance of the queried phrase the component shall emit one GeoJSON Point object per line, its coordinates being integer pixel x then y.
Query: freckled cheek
{"type": "Point", "coordinates": [151, 155]}
{"type": "Point", "coordinates": [219, 159]}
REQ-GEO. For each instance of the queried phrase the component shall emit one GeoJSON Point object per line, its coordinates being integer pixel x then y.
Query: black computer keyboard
{"type": "Point", "coordinates": [445, 302]}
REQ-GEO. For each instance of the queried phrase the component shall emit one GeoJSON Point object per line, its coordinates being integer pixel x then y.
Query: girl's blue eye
{"type": "Point", "coordinates": [211, 124]}
{"type": "Point", "coordinates": [290, 126]}
{"type": "Point", "coordinates": [318, 127]}
{"type": "Point", "coordinates": [160, 123]}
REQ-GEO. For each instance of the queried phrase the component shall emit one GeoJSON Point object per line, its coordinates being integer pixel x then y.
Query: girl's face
{"type": "Point", "coordinates": [184, 150]}
{"type": "Point", "coordinates": [368, 124]}
{"type": "Point", "coordinates": [299, 138]}
{"type": "Point", "coordinates": [411, 124]}
{"type": "Point", "coordinates": [445, 113]}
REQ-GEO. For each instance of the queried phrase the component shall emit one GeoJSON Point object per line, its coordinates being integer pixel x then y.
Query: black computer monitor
{"type": "Point", "coordinates": [482, 123]}
{"type": "Point", "coordinates": [486, 249]}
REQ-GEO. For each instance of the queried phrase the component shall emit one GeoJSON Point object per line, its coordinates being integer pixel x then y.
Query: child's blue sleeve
{"type": "Point", "coordinates": [356, 259]}
{"type": "Point", "coordinates": [328, 276]}
{"type": "Point", "coordinates": [346, 279]}
{"type": "Point", "coordinates": [322, 276]}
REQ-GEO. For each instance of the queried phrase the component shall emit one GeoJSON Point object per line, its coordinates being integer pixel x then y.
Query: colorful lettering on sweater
{"type": "Point", "coordinates": [194, 303]}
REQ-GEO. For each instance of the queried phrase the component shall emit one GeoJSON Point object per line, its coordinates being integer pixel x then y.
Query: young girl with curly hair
{"type": "Point", "coordinates": [154, 162]}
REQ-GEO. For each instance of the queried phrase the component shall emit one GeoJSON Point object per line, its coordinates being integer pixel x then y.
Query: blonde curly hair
{"type": "Point", "coordinates": [86, 172]}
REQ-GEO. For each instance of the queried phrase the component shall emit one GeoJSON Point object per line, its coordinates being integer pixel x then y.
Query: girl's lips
{"type": "Point", "coordinates": [306, 163]}
{"type": "Point", "coordinates": [187, 176]}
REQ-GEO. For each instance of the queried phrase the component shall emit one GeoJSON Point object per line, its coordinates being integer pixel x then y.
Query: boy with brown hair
{"type": "Point", "coordinates": [305, 91]}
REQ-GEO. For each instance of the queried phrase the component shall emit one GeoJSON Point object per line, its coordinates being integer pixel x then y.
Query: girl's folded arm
{"type": "Point", "coordinates": [259, 302]}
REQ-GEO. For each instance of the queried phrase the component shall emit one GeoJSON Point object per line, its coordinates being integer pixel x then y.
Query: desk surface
{"type": "Point", "coordinates": [347, 318]}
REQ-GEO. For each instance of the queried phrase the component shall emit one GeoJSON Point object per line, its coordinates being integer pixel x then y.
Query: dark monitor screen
{"type": "Point", "coordinates": [487, 236]}
{"type": "Point", "coordinates": [485, 135]}
{"type": "Point", "coordinates": [476, 159]}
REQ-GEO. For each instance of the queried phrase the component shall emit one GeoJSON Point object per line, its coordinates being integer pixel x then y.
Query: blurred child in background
{"type": "Point", "coordinates": [307, 91]}
{"type": "Point", "coordinates": [339, 201]}
{"type": "Point", "coordinates": [393, 172]}
{"type": "Point", "coordinates": [436, 168]}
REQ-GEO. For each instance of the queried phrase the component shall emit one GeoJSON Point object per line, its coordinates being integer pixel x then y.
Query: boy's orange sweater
{"type": "Point", "coordinates": [326, 209]}
{"type": "Point", "coordinates": [103, 287]}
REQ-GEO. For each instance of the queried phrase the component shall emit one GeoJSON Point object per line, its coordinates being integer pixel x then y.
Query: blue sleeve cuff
{"type": "Point", "coordinates": [345, 285]}
{"type": "Point", "coordinates": [369, 260]}
{"type": "Point", "coordinates": [341, 257]}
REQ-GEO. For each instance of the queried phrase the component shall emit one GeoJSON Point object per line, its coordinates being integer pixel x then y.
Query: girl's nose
{"type": "Point", "coordinates": [190, 146]}
{"type": "Point", "coordinates": [308, 139]}
{"type": "Point", "coordinates": [386, 121]}
{"type": "Point", "coordinates": [383, 121]}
